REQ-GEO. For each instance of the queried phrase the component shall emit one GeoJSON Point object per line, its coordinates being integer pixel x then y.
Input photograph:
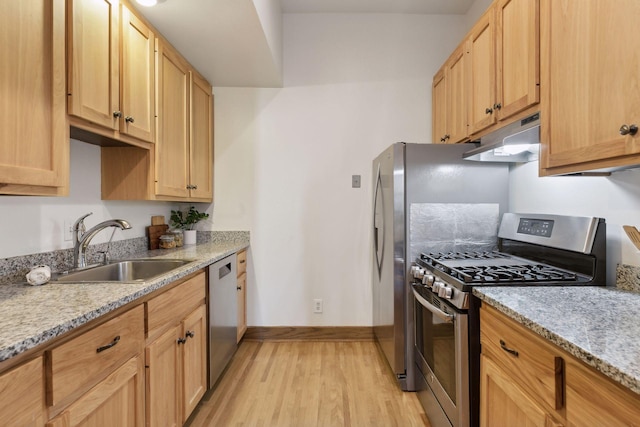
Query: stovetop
{"type": "Point", "coordinates": [495, 268]}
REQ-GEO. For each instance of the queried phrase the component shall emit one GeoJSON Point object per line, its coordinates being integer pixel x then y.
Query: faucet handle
{"type": "Point", "coordinates": [78, 226]}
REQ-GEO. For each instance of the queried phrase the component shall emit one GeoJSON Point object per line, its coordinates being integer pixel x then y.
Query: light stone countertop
{"type": "Point", "coordinates": [32, 315]}
{"type": "Point", "coordinates": [600, 326]}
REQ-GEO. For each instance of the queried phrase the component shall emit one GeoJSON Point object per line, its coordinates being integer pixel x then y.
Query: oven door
{"type": "Point", "coordinates": [442, 358]}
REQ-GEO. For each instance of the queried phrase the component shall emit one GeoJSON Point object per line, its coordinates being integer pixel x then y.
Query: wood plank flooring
{"type": "Point", "coordinates": [302, 383]}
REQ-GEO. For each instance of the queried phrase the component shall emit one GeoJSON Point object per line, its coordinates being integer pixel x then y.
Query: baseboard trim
{"type": "Point", "coordinates": [309, 333]}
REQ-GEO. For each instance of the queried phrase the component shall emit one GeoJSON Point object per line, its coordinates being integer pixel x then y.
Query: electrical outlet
{"type": "Point", "coordinates": [355, 181]}
{"type": "Point", "coordinates": [317, 306]}
{"type": "Point", "coordinates": [68, 229]}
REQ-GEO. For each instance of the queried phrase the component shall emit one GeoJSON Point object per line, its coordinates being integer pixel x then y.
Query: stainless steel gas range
{"type": "Point", "coordinates": [533, 250]}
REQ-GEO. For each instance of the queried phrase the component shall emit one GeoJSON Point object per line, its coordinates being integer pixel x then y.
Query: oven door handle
{"type": "Point", "coordinates": [447, 318]}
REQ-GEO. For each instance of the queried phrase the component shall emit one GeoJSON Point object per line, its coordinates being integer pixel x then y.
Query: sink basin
{"type": "Point", "coordinates": [137, 270]}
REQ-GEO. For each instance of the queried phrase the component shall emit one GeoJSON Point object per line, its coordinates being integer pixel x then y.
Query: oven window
{"type": "Point", "coordinates": [435, 340]}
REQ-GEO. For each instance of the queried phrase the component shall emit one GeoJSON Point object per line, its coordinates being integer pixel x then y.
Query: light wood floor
{"type": "Point", "coordinates": [308, 384]}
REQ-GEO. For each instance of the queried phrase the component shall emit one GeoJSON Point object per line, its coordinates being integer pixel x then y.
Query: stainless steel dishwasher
{"type": "Point", "coordinates": [223, 315]}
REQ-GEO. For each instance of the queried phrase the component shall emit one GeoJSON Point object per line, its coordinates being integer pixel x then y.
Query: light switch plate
{"type": "Point", "coordinates": [355, 181]}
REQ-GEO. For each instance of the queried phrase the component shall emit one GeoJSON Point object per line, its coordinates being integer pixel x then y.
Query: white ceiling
{"type": "Point", "coordinates": [226, 41]}
{"type": "Point", "coordinates": [432, 7]}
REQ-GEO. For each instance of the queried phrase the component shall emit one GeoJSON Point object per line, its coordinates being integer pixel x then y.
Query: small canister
{"type": "Point", "coordinates": [167, 241]}
{"type": "Point", "coordinates": [178, 236]}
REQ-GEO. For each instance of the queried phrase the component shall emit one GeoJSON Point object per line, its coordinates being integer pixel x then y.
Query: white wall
{"type": "Point", "coordinates": [354, 84]}
{"type": "Point", "coordinates": [35, 224]}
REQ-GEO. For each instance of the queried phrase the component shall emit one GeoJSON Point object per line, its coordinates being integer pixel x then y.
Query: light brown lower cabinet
{"type": "Point", "coordinates": [526, 380]}
{"type": "Point", "coordinates": [118, 400]}
{"type": "Point", "coordinates": [176, 358]}
{"type": "Point", "coordinates": [22, 395]}
{"type": "Point", "coordinates": [111, 375]}
{"type": "Point", "coordinates": [241, 271]}
{"type": "Point", "coordinates": [503, 403]}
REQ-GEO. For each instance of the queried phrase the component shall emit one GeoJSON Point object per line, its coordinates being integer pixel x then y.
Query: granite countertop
{"type": "Point", "coordinates": [33, 315]}
{"type": "Point", "coordinates": [600, 326]}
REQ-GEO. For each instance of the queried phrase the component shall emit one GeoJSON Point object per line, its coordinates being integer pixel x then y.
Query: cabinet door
{"type": "Point", "coordinates": [34, 147]}
{"type": "Point", "coordinates": [482, 65]}
{"type": "Point", "coordinates": [502, 403]}
{"type": "Point", "coordinates": [457, 93]}
{"type": "Point", "coordinates": [116, 401]}
{"type": "Point", "coordinates": [614, 405]}
{"type": "Point", "coordinates": [242, 305]}
{"type": "Point", "coordinates": [439, 106]}
{"type": "Point", "coordinates": [518, 56]}
{"type": "Point", "coordinates": [138, 92]}
{"type": "Point", "coordinates": [201, 140]}
{"type": "Point", "coordinates": [590, 84]}
{"type": "Point", "coordinates": [163, 380]}
{"type": "Point", "coordinates": [22, 395]}
{"type": "Point", "coordinates": [194, 361]}
{"type": "Point", "coordinates": [93, 53]}
{"type": "Point", "coordinates": [171, 148]}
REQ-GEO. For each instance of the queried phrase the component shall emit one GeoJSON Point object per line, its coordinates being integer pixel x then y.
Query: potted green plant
{"type": "Point", "coordinates": [187, 222]}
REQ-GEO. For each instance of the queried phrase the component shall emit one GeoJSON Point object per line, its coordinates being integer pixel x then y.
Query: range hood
{"type": "Point", "coordinates": [517, 142]}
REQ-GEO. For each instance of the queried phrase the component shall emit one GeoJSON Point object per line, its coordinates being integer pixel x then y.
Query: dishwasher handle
{"type": "Point", "coordinates": [224, 270]}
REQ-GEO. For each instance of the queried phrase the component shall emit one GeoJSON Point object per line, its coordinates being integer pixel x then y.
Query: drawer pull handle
{"type": "Point", "coordinates": [190, 334]}
{"type": "Point", "coordinates": [242, 261]}
{"type": "Point", "coordinates": [108, 346]}
{"type": "Point", "coordinates": [503, 345]}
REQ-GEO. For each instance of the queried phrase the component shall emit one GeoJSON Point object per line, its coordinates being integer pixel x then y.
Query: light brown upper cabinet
{"type": "Point", "coordinates": [450, 100]}
{"type": "Point", "coordinates": [184, 154]}
{"type": "Point", "coordinates": [591, 97]}
{"type": "Point", "coordinates": [180, 166]}
{"type": "Point", "coordinates": [110, 71]}
{"type": "Point", "coordinates": [499, 71]}
{"type": "Point", "coordinates": [482, 69]}
{"type": "Point", "coordinates": [34, 136]}
{"type": "Point", "coordinates": [517, 56]}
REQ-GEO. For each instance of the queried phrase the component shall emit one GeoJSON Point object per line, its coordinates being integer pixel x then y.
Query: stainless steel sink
{"type": "Point", "coordinates": [137, 270]}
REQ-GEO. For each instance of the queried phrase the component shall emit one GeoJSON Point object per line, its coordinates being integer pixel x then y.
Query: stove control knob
{"type": "Point", "coordinates": [442, 291]}
{"type": "Point", "coordinates": [437, 285]}
{"type": "Point", "coordinates": [428, 279]}
{"type": "Point", "coordinates": [448, 293]}
{"type": "Point", "coordinates": [414, 268]}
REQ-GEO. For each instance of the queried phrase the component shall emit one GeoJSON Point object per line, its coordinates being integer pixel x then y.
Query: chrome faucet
{"type": "Point", "coordinates": [81, 238]}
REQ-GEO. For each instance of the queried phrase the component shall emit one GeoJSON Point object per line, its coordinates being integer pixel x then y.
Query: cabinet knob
{"type": "Point", "coordinates": [117, 114]}
{"type": "Point", "coordinates": [239, 288]}
{"type": "Point", "coordinates": [628, 130]}
{"type": "Point", "coordinates": [488, 111]}
{"type": "Point", "coordinates": [129, 119]}
{"type": "Point", "coordinates": [190, 334]}
{"type": "Point", "coordinates": [447, 137]}
{"type": "Point", "coordinates": [181, 340]}
{"type": "Point", "coordinates": [497, 106]}
{"type": "Point", "coordinates": [442, 139]}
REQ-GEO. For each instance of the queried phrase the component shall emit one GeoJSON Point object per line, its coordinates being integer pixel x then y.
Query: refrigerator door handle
{"type": "Point", "coordinates": [378, 222]}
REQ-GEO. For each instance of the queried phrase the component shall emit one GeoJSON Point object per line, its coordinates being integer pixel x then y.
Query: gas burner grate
{"type": "Point", "coordinates": [512, 273]}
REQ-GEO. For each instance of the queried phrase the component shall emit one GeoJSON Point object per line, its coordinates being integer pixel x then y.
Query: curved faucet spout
{"type": "Point", "coordinates": [81, 238]}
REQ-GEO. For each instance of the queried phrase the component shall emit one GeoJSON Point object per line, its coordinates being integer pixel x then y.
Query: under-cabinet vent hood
{"type": "Point", "coordinates": [517, 142]}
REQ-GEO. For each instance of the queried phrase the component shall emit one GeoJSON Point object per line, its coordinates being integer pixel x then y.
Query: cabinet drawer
{"type": "Point", "coordinates": [241, 263]}
{"type": "Point", "coordinates": [172, 306]}
{"type": "Point", "coordinates": [529, 359]}
{"type": "Point", "coordinates": [77, 365]}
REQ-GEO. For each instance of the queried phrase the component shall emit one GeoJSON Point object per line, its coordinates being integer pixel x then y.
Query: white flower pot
{"type": "Point", "coordinates": [189, 237]}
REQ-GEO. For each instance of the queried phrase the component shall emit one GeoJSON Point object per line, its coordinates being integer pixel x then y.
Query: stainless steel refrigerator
{"type": "Point", "coordinates": [426, 198]}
